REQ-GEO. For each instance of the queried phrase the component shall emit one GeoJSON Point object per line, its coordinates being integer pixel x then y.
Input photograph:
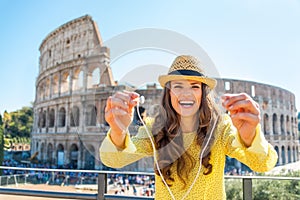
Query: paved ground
{"type": "Point", "coordinates": [18, 197]}
{"type": "Point", "coordinates": [83, 189]}
{"type": "Point", "coordinates": [45, 188]}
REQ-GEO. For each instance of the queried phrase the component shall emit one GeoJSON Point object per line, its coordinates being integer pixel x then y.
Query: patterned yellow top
{"type": "Point", "coordinates": [260, 157]}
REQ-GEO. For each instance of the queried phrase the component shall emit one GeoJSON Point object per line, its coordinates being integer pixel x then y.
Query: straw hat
{"type": "Point", "coordinates": [189, 68]}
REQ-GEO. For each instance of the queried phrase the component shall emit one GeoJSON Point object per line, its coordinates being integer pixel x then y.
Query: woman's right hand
{"type": "Point", "coordinates": [119, 114]}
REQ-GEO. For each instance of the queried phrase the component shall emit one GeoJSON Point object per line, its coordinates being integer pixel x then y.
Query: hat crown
{"type": "Point", "coordinates": [186, 62]}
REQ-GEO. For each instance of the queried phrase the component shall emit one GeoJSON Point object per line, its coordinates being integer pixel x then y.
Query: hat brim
{"type": "Point", "coordinates": [163, 79]}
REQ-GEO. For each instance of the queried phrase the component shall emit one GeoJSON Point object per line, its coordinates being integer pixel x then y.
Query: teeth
{"type": "Point", "coordinates": [186, 102]}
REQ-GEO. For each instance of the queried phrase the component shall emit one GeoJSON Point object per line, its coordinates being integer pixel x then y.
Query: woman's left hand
{"type": "Point", "coordinates": [244, 113]}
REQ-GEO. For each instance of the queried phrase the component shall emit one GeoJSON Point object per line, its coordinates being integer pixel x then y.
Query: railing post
{"type": "Point", "coordinates": [247, 188]}
{"type": "Point", "coordinates": [102, 186]}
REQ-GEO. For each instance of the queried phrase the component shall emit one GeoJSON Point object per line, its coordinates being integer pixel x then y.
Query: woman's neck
{"type": "Point", "coordinates": [188, 124]}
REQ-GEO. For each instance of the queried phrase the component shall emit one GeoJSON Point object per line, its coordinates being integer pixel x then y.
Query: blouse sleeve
{"type": "Point", "coordinates": [136, 147]}
{"type": "Point", "coordinates": [260, 156]}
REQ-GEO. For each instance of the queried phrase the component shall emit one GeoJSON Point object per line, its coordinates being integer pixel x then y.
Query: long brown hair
{"type": "Point", "coordinates": [169, 141]}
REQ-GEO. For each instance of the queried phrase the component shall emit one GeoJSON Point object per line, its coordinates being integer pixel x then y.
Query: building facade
{"type": "Point", "coordinates": [75, 79]}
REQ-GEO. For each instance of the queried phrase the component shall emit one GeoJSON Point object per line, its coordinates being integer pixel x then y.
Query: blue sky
{"type": "Point", "coordinates": [256, 40]}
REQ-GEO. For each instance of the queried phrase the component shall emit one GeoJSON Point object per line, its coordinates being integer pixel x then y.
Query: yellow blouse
{"type": "Point", "coordinates": [260, 157]}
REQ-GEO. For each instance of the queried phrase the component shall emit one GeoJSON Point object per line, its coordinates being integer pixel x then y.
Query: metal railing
{"type": "Point", "coordinates": [101, 183]}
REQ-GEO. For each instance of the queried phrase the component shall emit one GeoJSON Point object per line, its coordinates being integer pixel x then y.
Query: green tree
{"type": "Point", "coordinates": [19, 123]}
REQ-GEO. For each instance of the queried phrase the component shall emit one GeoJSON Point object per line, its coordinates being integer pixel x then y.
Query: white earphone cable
{"type": "Point", "coordinates": [156, 162]}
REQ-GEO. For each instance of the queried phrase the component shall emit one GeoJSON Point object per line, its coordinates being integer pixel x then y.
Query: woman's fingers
{"type": "Point", "coordinates": [119, 109]}
{"type": "Point", "coordinates": [240, 103]}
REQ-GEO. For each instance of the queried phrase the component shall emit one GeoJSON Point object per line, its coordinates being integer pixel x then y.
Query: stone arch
{"type": "Point", "coordinates": [283, 155]}
{"type": "Point", "coordinates": [288, 125]}
{"type": "Point", "coordinates": [294, 154]}
{"type": "Point", "coordinates": [41, 90]}
{"type": "Point", "coordinates": [47, 88]}
{"type": "Point", "coordinates": [266, 124]}
{"type": "Point", "coordinates": [93, 78]}
{"type": "Point", "coordinates": [277, 151]}
{"type": "Point", "coordinates": [55, 85]}
{"type": "Point", "coordinates": [49, 153]}
{"type": "Point", "coordinates": [42, 150]}
{"type": "Point", "coordinates": [292, 126]}
{"type": "Point", "coordinates": [73, 156]}
{"type": "Point", "coordinates": [89, 157]}
{"type": "Point", "coordinates": [40, 119]}
{"type": "Point", "coordinates": [91, 115]}
{"type": "Point", "coordinates": [275, 121]}
{"type": "Point", "coordinates": [75, 116]}
{"type": "Point", "coordinates": [289, 154]}
{"type": "Point", "coordinates": [77, 79]}
{"type": "Point", "coordinates": [282, 129]}
{"type": "Point", "coordinates": [44, 119]}
{"type": "Point", "coordinates": [65, 80]}
{"type": "Point", "coordinates": [62, 117]}
{"type": "Point", "coordinates": [60, 154]}
{"type": "Point", "coordinates": [51, 118]}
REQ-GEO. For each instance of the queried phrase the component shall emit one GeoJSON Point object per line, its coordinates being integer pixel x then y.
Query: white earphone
{"type": "Point", "coordinates": [142, 101]}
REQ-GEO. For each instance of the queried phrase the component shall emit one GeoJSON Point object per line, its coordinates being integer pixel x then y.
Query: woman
{"type": "Point", "coordinates": [190, 139]}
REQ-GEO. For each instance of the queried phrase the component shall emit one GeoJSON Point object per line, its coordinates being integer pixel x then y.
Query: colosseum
{"type": "Point", "coordinates": [75, 79]}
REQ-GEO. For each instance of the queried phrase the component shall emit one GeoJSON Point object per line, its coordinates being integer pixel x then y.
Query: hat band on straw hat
{"type": "Point", "coordinates": [185, 72]}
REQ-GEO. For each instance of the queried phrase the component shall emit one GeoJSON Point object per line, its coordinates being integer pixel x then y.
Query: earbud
{"type": "Point", "coordinates": [142, 100]}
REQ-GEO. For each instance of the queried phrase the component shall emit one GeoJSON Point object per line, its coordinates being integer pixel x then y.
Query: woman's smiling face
{"type": "Point", "coordinates": [186, 97]}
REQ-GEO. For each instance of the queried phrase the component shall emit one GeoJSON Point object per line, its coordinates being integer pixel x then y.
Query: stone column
{"type": "Point", "coordinates": [83, 115]}
{"type": "Point", "coordinates": [79, 155]}
{"type": "Point", "coordinates": [66, 153]}
{"type": "Point", "coordinates": [54, 153]}
{"type": "Point", "coordinates": [85, 77]}
{"type": "Point", "coordinates": [59, 83]}
{"type": "Point", "coordinates": [51, 86]}
{"type": "Point", "coordinates": [68, 111]}
{"type": "Point", "coordinates": [70, 81]}
{"type": "Point", "coordinates": [56, 118]}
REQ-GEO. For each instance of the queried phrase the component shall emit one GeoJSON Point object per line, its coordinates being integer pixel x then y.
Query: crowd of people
{"type": "Point", "coordinates": [138, 185]}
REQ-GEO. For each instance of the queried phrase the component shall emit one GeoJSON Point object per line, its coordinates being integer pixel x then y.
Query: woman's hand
{"type": "Point", "coordinates": [245, 115]}
{"type": "Point", "coordinates": [119, 114]}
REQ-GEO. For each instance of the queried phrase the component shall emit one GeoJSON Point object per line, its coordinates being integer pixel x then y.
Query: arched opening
{"type": "Point", "coordinates": [42, 152]}
{"type": "Point", "coordinates": [89, 158]}
{"type": "Point", "coordinates": [94, 78]}
{"type": "Point", "coordinates": [266, 124]}
{"type": "Point", "coordinates": [78, 80]}
{"type": "Point", "coordinates": [288, 127]}
{"type": "Point", "coordinates": [49, 153]}
{"type": "Point", "coordinates": [292, 126]}
{"type": "Point", "coordinates": [55, 84]}
{"type": "Point", "coordinates": [40, 119]}
{"type": "Point", "coordinates": [73, 156]}
{"type": "Point", "coordinates": [62, 117]}
{"type": "Point", "coordinates": [91, 115]}
{"type": "Point", "coordinates": [277, 151]}
{"type": "Point", "coordinates": [74, 118]}
{"type": "Point", "coordinates": [65, 82]}
{"type": "Point", "coordinates": [283, 155]}
{"type": "Point", "coordinates": [275, 131]}
{"type": "Point", "coordinates": [282, 125]}
{"type": "Point", "coordinates": [44, 119]}
{"type": "Point", "coordinates": [60, 155]}
{"type": "Point", "coordinates": [51, 118]}
{"type": "Point", "coordinates": [289, 155]}
{"type": "Point", "coordinates": [294, 155]}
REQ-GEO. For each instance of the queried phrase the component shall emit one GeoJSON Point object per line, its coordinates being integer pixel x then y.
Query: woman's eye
{"type": "Point", "coordinates": [177, 86]}
{"type": "Point", "coordinates": [195, 86]}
